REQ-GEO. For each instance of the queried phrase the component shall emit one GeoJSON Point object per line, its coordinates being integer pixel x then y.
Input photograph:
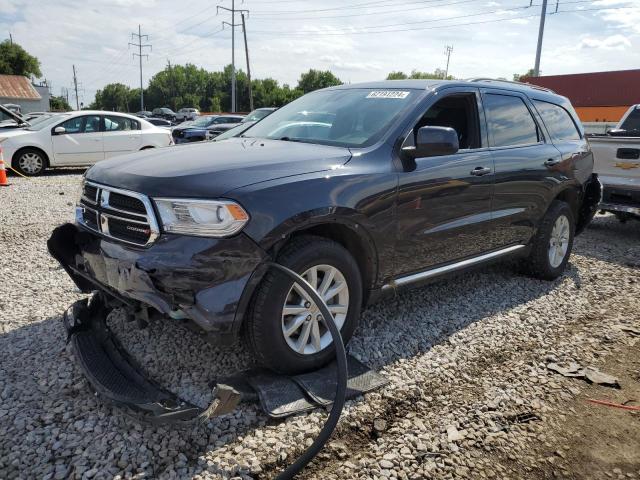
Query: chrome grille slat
{"type": "Point", "coordinates": [129, 225]}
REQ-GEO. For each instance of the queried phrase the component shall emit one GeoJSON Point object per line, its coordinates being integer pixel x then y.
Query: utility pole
{"type": "Point", "coordinates": [233, 26]}
{"type": "Point", "coordinates": [447, 51]}
{"type": "Point", "coordinates": [140, 46]}
{"type": "Point", "coordinates": [543, 15]}
{"type": "Point", "coordinates": [75, 86]}
{"type": "Point", "coordinates": [246, 51]}
{"type": "Point", "coordinates": [10, 39]}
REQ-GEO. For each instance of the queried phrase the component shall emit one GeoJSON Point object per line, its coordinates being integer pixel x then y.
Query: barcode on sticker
{"type": "Point", "coordinates": [387, 94]}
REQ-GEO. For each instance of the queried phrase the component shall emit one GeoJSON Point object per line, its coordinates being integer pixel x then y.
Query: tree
{"type": "Point", "coordinates": [115, 97]}
{"type": "Point", "coordinates": [14, 60]}
{"type": "Point", "coordinates": [397, 76]}
{"type": "Point", "coordinates": [59, 104]}
{"type": "Point", "coordinates": [316, 79]}
{"type": "Point", "coordinates": [518, 78]}
{"type": "Point", "coordinates": [416, 74]}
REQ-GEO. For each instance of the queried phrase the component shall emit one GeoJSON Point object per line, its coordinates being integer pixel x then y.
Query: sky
{"type": "Point", "coordinates": [358, 40]}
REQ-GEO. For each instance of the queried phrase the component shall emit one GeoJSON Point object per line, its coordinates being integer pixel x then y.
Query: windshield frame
{"type": "Point", "coordinates": [378, 137]}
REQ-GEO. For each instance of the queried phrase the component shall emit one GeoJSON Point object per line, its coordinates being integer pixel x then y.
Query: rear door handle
{"type": "Point", "coordinates": [479, 171]}
{"type": "Point", "coordinates": [551, 162]}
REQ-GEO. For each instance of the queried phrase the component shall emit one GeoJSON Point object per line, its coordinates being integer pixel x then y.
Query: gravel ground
{"type": "Point", "coordinates": [466, 358]}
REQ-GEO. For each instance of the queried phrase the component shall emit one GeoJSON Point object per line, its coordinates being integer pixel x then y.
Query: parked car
{"type": "Point", "coordinates": [222, 123]}
{"type": "Point", "coordinates": [165, 113]}
{"type": "Point", "coordinates": [617, 162]}
{"type": "Point", "coordinates": [78, 139]}
{"type": "Point", "coordinates": [144, 114]}
{"type": "Point", "coordinates": [258, 114]}
{"type": "Point", "coordinates": [204, 128]}
{"type": "Point", "coordinates": [185, 114]}
{"type": "Point", "coordinates": [413, 180]}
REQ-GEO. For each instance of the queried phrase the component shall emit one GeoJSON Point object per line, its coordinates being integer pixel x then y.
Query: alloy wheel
{"type": "Point", "coordinates": [303, 326]}
{"type": "Point", "coordinates": [559, 241]}
{"type": "Point", "coordinates": [30, 163]}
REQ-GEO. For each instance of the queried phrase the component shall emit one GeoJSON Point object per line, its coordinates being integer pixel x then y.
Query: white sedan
{"type": "Point", "coordinates": [78, 139]}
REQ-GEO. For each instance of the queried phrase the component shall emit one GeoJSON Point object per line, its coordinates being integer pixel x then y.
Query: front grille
{"type": "Point", "coordinates": [119, 214]}
{"type": "Point", "coordinates": [127, 203]}
{"type": "Point", "coordinates": [90, 193]}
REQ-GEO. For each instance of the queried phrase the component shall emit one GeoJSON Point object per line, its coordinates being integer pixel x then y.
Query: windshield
{"type": "Point", "coordinates": [632, 122]}
{"type": "Point", "coordinates": [256, 115]}
{"type": "Point", "coordinates": [344, 117]}
{"type": "Point", "coordinates": [47, 122]}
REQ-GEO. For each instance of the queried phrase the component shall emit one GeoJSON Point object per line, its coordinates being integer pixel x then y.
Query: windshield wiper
{"type": "Point", "coordinates": [290, 139]}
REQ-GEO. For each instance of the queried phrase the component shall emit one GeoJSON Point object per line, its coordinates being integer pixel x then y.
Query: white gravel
{"type": "Point", "coordinates": [463, 356]}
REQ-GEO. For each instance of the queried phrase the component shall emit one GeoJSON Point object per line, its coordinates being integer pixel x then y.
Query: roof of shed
{"type": "Point", "coordinates": [18, 87]}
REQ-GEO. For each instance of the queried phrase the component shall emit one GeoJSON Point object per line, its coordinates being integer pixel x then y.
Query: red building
{"type": "Point", "coordinates": [598, 96]}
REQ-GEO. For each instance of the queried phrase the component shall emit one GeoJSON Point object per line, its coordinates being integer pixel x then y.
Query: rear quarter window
{"type": "Point", "coordinates": [558, 121]}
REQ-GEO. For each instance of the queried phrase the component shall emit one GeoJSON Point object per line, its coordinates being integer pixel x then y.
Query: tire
{"type": "Point", "coordinates": [552, 244]}
{"type": "Point", "coordinates": [265, 326]}
{"type": "Point", "coordinates": [30, 162]}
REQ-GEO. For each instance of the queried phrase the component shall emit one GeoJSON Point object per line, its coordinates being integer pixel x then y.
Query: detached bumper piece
{"type": "Point", "coordinates": [115, 376]}
{"type": "Point", "coordinates": [281, 396]}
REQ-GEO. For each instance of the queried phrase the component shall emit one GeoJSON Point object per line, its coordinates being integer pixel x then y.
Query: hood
{"type": "Point", "coordinates": [13, 132]}
{"type": "Point", "coordinates": [209, 170]}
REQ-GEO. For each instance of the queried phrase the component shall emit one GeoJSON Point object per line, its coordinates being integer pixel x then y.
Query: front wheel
{"type": "Point", "coordinates": [285, 327]}
{"type": "Point", "coordinates": [29, 162]}
{"type": "Point", "coordinates": [552, 244]}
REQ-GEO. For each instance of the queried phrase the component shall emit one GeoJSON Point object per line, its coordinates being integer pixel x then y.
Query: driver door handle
{"type": "Point", "coordinates": [479, 171]}
{"type": "Point", "coordinates": [551, 162]}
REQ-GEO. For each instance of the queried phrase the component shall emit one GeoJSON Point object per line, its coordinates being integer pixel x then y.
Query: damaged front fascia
{"type": "Point", "coordinates": [203, 277]}
{"type": "Point", "coordinates": [115, 376]}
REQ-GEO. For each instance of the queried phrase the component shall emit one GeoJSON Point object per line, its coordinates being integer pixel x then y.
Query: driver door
{"type": "Point", "coordinates": [81, 143]}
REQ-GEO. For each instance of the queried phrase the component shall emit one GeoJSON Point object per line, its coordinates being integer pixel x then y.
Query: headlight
{"type": "Point", "coordinates": [206, 218]}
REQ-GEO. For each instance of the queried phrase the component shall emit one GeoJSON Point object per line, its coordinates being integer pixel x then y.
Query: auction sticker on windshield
{"type": "Point", "coordinates": [387, 94]}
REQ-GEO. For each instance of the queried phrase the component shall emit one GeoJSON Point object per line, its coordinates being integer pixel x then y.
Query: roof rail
{"type": "Point", "coordinates": [524, 84]}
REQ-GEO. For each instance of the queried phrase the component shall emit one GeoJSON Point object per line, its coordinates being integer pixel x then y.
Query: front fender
{"type": "Point", "coordinates": [364, 203]}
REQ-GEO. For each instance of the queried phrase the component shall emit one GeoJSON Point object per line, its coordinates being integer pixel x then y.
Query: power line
{"type": "Point", "coordinates": [447, 51]}
{"type": "Point", "coordinates": [319, 33]}
{"type": "Point", "coordinates": [140, 46]}
{"type": "Point", "coordinates": [75, 86]}
{"type": "Point", "coordinates": [543, 16]}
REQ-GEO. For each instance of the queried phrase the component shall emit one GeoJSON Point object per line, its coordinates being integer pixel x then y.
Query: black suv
{"type": "Point", "coordinates": [381, 186]}
{"type": "Point", "coordinates": [165, 113]}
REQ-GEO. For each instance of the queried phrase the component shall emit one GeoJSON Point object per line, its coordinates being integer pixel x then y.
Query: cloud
{"type": "Point", "coordinates": [614, 42]}
{"type": "Point", "coordinates": [93, 36]}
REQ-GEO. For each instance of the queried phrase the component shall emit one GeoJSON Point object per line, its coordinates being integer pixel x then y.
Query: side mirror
{"type": "Point", "coordinates": [434, 141]}
{"type": "Point", "coordinates": [59, 130]}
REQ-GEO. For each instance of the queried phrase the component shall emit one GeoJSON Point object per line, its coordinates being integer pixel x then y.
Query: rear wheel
{"type": "Point", "coordinates": [285, 327]}
{"type": "Point", "coordinates": [551, 247]}
{"type": "Point", "coordinates": [29, 162]}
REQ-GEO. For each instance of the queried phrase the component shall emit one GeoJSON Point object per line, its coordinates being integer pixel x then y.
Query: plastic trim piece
{"type": "Point", "coordinates": [434, 272]}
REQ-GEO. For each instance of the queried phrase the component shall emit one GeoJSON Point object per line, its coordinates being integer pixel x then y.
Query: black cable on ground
{"type": "Point", "coordinates": [341, 390]}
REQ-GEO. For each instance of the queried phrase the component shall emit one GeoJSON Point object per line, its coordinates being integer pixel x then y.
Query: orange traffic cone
{"type": "Point", "coordinates": [3, 171]}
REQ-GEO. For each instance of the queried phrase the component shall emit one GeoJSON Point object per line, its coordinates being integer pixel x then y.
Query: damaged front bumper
{"type": "Point", "coordinates": [204, 280]}
{"type": "Point", "coordinates": [114, 375]}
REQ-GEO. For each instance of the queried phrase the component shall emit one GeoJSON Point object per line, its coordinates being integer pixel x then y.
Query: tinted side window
{"type": "Point", "coordinates": [632, 122]}
{"type": "Point", "coordinates": [115, 123]}
{"type": "Point", "coordinates": [509, 121]}
{"type": "Point", "coordinates": [558, 121]}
